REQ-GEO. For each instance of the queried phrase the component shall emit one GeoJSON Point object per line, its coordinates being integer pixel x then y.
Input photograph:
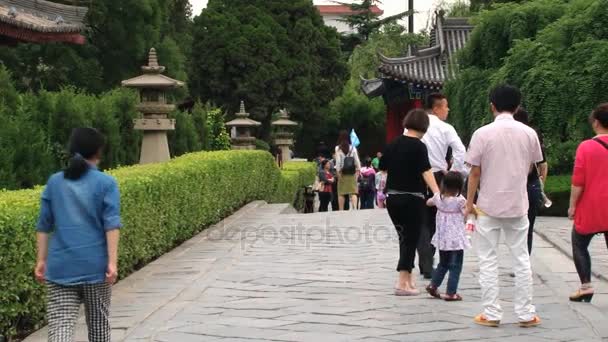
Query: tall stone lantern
{"type": "Point", "coordinates": [153, 88]}
{"type": "Point", "coordinates": [243, 139]}
{"type": "Point", "coordinates": [283, 135]}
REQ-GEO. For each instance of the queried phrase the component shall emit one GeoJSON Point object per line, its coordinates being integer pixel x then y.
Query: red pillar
{"type": "Point", "coordinates": [394, 117]}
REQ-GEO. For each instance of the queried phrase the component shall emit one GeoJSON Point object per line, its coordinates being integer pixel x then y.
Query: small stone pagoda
{"type": "Point", "coordinates": [243, 139]}
{"type": "Point", "coordinates": [283, 135]}
{"type": "Point", "coordinates": [153, 88]}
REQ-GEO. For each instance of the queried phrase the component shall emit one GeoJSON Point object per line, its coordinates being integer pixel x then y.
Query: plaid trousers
{"type": "Point", "coordinates": [63, 306]}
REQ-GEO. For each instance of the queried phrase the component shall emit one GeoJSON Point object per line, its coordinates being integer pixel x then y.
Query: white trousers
{"type": "Point", "coordinates": [486, 240]}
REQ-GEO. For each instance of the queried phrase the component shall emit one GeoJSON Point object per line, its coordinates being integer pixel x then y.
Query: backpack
{"type": "Point", "coordinates": [348, 166]}
{"type": "Point", "coordinates": [367, 183]}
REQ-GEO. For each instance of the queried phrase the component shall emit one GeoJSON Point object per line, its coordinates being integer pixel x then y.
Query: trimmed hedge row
{"type": "Point", "coordinates": [558, 190]}
{"type": "Point", "coordinates": [162, 206]}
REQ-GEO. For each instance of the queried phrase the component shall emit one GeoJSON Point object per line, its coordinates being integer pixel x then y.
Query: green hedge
{"type": "Point", "coordinates": [295, 175]}
{"type": "Point", "coordinates": [558, 190]}
{"type": "Point", "coordinates": [163, 205]}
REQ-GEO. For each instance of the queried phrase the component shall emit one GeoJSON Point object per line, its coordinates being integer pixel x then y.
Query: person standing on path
{"type": "Point", "coordinates": [536, 177]}
{"type": "Point", "coordinates": [588, 199]}
{"type": "Point", "coordinates": [440, 138]}
{"type": "Point", "coordinates": [367, 184]}
{"type": "Point", "coordinates": [327, 179]}
{"type": "Point", "coordinates": [77, 241]}
{"type": "Point", "coordinates": [500, 155]}
{"type": "Point", "coordinates": [450, 237]}
{"type": "Point", "coordinates": [406, 161]}
{"type": "Point", "coordinates": [348, 167]}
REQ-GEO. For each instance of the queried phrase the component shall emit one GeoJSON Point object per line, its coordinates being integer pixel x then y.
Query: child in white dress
{"type": "Point", "coordinates": [450, 238]}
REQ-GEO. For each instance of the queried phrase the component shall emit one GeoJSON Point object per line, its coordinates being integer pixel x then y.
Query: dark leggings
{"type": "Point", "coordinates": [534, 198]}
{"type": "Point", "coordinates": [580, 251]}
{"type": "Point", "coordinates": [324, 198]}
{"type": "Point", "coordinates": [406, 213]}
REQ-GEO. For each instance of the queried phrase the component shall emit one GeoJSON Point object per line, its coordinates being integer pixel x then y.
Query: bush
{"type": "Point", "coordinates": [262, 145]}
{"type": "Point", "coordinates": [558, 190]}
{"type": "Point", "coordinates": [163, 205]}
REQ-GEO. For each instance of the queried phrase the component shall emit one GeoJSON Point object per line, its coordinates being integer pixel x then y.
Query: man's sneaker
{"type": "Point", "coordinates": [482, 320]}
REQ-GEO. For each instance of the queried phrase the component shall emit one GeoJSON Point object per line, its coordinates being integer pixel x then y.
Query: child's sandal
{"type": "Point", "coordinates": [452, 298]}
{"type": "Point", "coordinates": [432, 290]}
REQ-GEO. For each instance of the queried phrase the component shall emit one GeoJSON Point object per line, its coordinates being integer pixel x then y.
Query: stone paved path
{"type": "Point", "coordinates": [558, 230]}
{"type": "Point", "coordinates": [266, 276]}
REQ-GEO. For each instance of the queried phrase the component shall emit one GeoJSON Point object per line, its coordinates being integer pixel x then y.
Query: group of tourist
{"type": "Point", "coordinates": [78, 228]}
{"type": "Point", "coordinates": [504, 169]}
{"type": "Point", "coordinates": [347, 182]}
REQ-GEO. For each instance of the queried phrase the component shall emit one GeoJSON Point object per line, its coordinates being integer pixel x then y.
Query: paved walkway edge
{"type": "Point", "coordinates": [566, 249]}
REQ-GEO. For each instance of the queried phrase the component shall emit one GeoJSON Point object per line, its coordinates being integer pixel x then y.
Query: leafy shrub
{"type": "Point", "coordinates": [558, 190]}
{"type": "Point", "coordinates": [262, 145]}
{"type": "Point", "coordinates": [162, 206]}
{"type": "Point", "coordinates": [554, 51]}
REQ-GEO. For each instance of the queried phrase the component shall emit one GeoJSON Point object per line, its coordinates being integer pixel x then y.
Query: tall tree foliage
{"type": "Point", "coordinates": [271, 54]}
{"type": "Point", "coordinates": [119, 34]}
{"type": "Point", "coordinates": [364, 21]}
{"type": "Point", "coordinates": [352, 109]}
{"type": "Point", "coordinates": [555, 52]}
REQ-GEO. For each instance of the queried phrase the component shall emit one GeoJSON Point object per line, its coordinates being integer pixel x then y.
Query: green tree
{"type": "Point", "coordinates": [119, 34]}
{"type": "Point", "coordinates": [554, 51]}
{"type": "Point", "coordinates": [217, 137]}
{"type": "Point", "coordinates": [271, 54]}
{"type": "Point", "coordinates": [365, 22]}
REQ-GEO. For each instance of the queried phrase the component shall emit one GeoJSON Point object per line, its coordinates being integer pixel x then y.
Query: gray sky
{"type": "Point", "coordinates": [423, 7]}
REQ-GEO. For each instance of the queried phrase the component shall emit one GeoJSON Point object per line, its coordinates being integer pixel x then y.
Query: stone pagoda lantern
{"type": "Point", "coordinates": [283, 135]}
{"type": "Point", "coordinates": [153, 88]}
{"type": "Point", "coordinates": [243, 125]}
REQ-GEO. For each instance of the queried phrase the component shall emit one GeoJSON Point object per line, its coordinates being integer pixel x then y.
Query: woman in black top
{"type": "Point", "coordinates": [406, 162]}
{"type": "Point", "coordinates": [537, 175]}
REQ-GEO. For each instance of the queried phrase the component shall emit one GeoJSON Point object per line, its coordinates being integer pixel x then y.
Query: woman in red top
{"type": "Point", "coordinates": [589, 194]}
{"type": "Point", "coordinates": [327, 178]}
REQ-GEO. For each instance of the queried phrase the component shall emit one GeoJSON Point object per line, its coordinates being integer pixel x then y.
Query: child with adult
{"type": "Point", "coordinates": [450, 238]}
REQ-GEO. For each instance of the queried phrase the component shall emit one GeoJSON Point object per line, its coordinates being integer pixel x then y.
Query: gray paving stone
{"type": "Point", "coordinates": [265, 276]}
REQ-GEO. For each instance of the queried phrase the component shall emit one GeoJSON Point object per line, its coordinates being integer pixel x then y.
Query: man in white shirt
{"type": "Point", "coordinates": [439, 138]}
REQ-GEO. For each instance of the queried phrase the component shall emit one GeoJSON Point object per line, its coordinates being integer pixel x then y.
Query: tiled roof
{"type": "Point", "coordinates": [343, 10]}
{"type": "Point", "coordinates": [432, 66]}
{"type": "Point", "coordinates": [43, 16]}
{"type": "Point", "coordinates": [41, 21]}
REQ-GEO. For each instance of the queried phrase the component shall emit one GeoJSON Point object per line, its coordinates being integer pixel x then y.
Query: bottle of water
{"type": "Point", "coordinates": [470, 226]}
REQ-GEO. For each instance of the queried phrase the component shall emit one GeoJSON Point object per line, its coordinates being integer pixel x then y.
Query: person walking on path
{"type": "Point", "coordinates": [406, 161]}
{"type": "Point", "coordinates": [367, 184]}
{"type": "Point", "coordinates": [500, 155]}
{"type": "Point", "coordinates": [327, 180]}
{"type": "Point", "coordinates": [77, 241]}
{"type": "Point", "coordinates": [536, 177]}
{"type": "Point", "coordinates": [440, 138]}
{"type": "Point", "coordinates": [348, 167]}
{"type": "Point", "coordinates": [588, 199]}
{"type": "Point", "coordinates": [450, 237]}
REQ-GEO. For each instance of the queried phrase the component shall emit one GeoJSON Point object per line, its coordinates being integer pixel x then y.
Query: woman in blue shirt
{"type": "Point", "coordinates": [77, 239]}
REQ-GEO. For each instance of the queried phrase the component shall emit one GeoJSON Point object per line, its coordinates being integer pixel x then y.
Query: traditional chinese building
{"type": "Point", "coordinates": [40, 21]}
{"type": "Point", "coordinates": [405, 81]}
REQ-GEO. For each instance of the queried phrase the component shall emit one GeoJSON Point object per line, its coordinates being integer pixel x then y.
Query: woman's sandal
{"type": "Point", "coordinates": [432, 290]}
{"type": "Point", "coordinates": [579, 297]}
{"type": "Point", "coordinates": [452, 298]}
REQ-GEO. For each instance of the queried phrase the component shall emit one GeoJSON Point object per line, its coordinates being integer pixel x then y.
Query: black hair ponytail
{"type": "Point", "coordinates": [85, 143]}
